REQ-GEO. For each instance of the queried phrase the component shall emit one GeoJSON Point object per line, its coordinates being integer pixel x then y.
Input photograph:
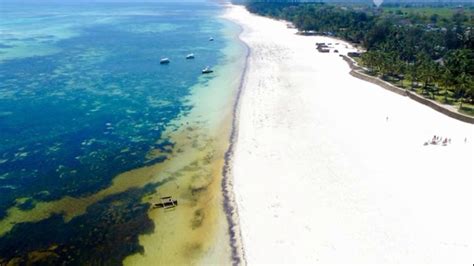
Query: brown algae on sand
{"type": "Point", "coordinates": [198, 219]}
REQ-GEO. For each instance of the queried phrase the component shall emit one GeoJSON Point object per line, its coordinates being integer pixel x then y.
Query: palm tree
{"type": "Point", "coordinates": [463, 86]}
{"type": "Point", "coordinates": [428, 73]}
{"type": "Point", "coordinates": [400, 70]}
{"type": "Point", "coordinates": [446, 80]}
{"type": "Point", "coordinates": [416, 68]}
{"type": "Point", "coordinates": [411, 73]}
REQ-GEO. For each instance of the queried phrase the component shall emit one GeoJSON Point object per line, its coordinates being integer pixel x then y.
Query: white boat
{"type": "Point", "coordinates": [211, 39]}
{"type": "Point", "coordinates": [190, 56]}
{"type": "Point", "coordinates": [207, 70]}
{"type": "Point", "coordinates": [164, 61]}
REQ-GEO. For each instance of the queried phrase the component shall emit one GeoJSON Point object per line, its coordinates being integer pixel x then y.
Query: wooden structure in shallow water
{"type": "Point", "coordinates": [166, 203]}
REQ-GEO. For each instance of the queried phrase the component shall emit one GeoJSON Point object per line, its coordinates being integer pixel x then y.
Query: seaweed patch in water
{"type": "Point", "coordinates": [105, 235]}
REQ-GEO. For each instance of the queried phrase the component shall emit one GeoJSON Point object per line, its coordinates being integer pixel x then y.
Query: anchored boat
{"type": "Point", "coordinates": [190, 56]}
{"type": "Point", "coordinates": [164, 61]}
{"type": "Point", "coordinates": [207, 70]}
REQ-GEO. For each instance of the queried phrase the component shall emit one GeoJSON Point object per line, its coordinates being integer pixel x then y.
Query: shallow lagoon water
{"type": "Point", "coordinates": [94, 129]}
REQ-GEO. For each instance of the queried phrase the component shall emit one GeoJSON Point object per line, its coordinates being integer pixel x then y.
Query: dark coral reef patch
{"type": "Point", "coordinates": [105, 235]}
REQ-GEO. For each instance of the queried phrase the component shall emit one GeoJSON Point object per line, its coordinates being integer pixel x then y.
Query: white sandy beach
{"type": "Point", "coordinates": [321, 176]}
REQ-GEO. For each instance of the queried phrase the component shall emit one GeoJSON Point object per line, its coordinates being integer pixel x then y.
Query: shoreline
{"type": "Point", "coordinates": [215, 117]}
{"type": "Point", "coordinates": [306, 160]}
{"type": "Point", "coordinates": [230, 206]}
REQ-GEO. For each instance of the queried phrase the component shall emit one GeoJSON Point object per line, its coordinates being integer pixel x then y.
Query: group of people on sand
{"type": "Point", "coordinates": [439, 140]}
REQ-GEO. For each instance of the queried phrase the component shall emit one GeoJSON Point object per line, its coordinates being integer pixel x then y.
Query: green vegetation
{"type": "Point", "coordinates": [423, 12]}
{"type": "Point", "coordinates": [429, 50]}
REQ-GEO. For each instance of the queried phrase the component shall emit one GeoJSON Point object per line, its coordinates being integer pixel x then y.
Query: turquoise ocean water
{"type": "Point", "coordinates": [83, 98]}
